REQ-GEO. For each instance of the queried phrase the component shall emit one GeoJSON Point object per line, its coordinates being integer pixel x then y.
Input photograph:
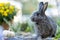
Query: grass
{"type": "Point", "coordinates": [57, 19]}
{"type": "Point", "coordinates": [21, 27]}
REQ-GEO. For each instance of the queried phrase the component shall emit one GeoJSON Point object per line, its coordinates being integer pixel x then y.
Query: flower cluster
{"type": "Point", "coordinates": [7, 11]}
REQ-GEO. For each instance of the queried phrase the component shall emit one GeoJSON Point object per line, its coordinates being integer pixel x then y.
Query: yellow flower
{"type": "Point", "coordinates": [1, 4]}
{"type": "Point", "coordinates": [2, 8]}
{"type": "Point", "coordinates": [5, 13]}
{"type": "Point", "coordinates": [6, 7]}
{"type": "Point", "coordinates": [10, 12]}
{"type": "Point", "coordinates": [7, 10]}
{"type": "Point", "coordinates": [11, 7]}
{"type": "Point", "coordinates": [1, 11]}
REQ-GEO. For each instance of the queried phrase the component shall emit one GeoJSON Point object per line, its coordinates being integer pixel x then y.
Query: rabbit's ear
{"type": "Point", "coordinates": [41, 5]}
{"type": "Point", "coordinates": [45, 6]}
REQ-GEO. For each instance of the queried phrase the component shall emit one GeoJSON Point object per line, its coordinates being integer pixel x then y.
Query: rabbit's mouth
{"type": "Point", "coordinates": [33, 19]}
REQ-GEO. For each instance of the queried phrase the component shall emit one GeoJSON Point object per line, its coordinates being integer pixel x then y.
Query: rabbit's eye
{"type": "Point", "coordinates": [37, 14]}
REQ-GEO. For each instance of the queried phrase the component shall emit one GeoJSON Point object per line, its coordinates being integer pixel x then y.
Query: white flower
{"type": "Point", "coordinates": [5, 33]}
{"type": "Point", "coordinates": [8, 33]}
{"type": "Point", "coordinates": [12, 34]}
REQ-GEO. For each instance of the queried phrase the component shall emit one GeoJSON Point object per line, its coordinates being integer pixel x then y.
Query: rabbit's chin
{"type": "Point", "coordinates": [36, 21]}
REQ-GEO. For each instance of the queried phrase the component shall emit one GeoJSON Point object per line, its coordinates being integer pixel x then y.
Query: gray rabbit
{"type": "Point", "coordinates": [45, 25]}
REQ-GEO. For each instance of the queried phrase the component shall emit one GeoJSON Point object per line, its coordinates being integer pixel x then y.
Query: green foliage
{"type": "Point", "coordinates": [13, 27]}
{"type": "Point", "coordinates": [27, 26]}
{"type": "Point", "coordinates": [50, 6]}
{"type": "Point", "coordinates": [24, 26]}
{"type": "Point", "coordinates": [21, 27]}
{"type": "Point", "coordinates": [58, 22]}
{"type": "Point", "coordinates": [58, 29]}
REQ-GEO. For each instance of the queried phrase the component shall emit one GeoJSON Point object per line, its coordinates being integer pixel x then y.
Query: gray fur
{"type": "Point", "coordinates": [45, 25]}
